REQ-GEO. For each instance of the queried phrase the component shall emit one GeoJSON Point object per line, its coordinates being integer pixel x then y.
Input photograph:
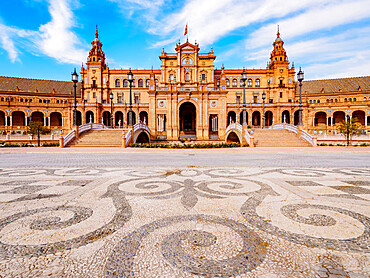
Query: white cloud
{"type": "Point", "coordinates": [129, 7]}
{"type": "Point", "coordinates": [209, 20]}
{"type": "Point", "coordinates": [56, 39]}
{"type": "Point", "coordinates": [319, 17]}
{"type": "Point", "coordinates": [7, 43]}
{"type": "Point", "coordinates": [7, 36]}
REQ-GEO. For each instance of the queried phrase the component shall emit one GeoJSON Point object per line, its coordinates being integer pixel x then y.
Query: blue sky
{"type": "Point", "coordinates": [46, 39]}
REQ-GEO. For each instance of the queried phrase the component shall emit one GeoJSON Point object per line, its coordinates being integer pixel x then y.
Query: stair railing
{"type": "Point", "coordinates": [304, 134]}
{"type": "Point", "coordinates": [236, 126]}
{"type": "Point", "coordinates": [69, 137]}
{"type": "Point", "coordinates": [128, 137]}
{"type": "Point", "coordinates": [289, 127]}
{"type": "Point", "coordinates": [247, 137]}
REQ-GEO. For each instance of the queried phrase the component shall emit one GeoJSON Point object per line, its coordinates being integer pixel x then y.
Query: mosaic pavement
{"type": "Point", "coordinates": [186, 222]}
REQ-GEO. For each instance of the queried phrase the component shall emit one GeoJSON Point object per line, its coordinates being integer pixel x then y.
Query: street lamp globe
{"type": "Point", "coordinates": [300, 75]}
{"type": "Point", "coordinates": [263, 95]}
{"type": "Point", "coordinates": [244, 75]}
{"type": "Point", "coordinates": [130, 76]}
{"type": "Point", "coordinates": [111, 96]}
{"type": "Point", "coordinates": [75, 76]}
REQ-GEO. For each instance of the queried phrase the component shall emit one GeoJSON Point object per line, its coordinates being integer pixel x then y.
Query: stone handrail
{"type": "Point", "coordinates": [236, 126]}
{"type": "Point", "coordinates": [69, 137]}
{"type": "Point", "coordinates": [289, 127]}
{"type": "Point", "coordinates": [247, 137]}
{"type": "Point", "coordinates": [306, 136]}
{"type": "Point", "coordinates": [141, 126]}
{"type": "Point", "coordinates": [127, 137]}
{"type": "Point", "coordinates": [83, 128]}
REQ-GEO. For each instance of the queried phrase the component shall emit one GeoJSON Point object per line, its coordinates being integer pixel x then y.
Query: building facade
{"type": "Point", "coordinates": [186, 98]}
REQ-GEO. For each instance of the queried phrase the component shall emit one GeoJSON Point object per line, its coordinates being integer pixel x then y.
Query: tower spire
{"type": "Point", "coordinates": [96, 33]}
{"type": "Point", "coordinates": [278, 32]}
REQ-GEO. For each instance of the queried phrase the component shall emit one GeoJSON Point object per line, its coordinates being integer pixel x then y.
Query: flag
{"type": "Point", "coordinates": [186, 30]}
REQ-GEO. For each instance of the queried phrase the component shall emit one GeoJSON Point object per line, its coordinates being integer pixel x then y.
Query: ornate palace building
{"type": "Point", "coordinates": [186, 98]}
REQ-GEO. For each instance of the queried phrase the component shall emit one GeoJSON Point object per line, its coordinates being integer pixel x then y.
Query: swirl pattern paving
{"type": "Point", "coordinates": [184, 222]}
{"type": "Point", "coordinates": [252, 253]}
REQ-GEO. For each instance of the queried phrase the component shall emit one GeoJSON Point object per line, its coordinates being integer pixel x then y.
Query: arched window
{"type": "Point", "coordinates": [187, 76]}
{"type": "Point", "coordinates": [156, 82]}
{"type": "Point", "coordinates": [118, 83]}
{"type": "Point", "coordinates": [235, 82]}
{"type": "Point", "coordinates": [227, 83]}
{"type": "Point", "coordinates": [345, 100]}
{"type": "Point", "coordinates": [241, 83]}
{"type": "Point", "coordinates": [350, 99]}
{"type": "Point", "coordinates": [147, 82]}
{"type": "Point", "coordinates": [140, 83]}
{"type": "Point", "coordinates": [250, 82]}
{"type": "Point", "coordinates": [218, 83]}
{"type": "Point", "coordinates": [257, 82]}
{"type": "Point", "coordinates": [125, 83]}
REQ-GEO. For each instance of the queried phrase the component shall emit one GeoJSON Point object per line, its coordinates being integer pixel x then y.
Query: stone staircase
{"type": "Point", "coordinates": [99, 138]}
{"type": "Point", "coordinates": [278, 138]}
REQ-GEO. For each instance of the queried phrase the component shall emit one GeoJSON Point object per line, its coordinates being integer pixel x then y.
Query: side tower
{"type": "Point", "coordinates": [280, 77]}
{"type": "Point", "coordinates": [94, 78]}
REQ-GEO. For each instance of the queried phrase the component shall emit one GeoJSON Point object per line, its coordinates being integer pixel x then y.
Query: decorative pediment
{"type": "Point", "coordinates": [187, 46]}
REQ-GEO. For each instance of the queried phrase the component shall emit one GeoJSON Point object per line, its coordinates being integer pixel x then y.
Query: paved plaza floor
{"type": "Point", "coordinates": [99, 219]}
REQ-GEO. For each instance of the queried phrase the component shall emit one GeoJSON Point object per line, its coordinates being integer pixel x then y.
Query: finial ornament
{"type": "Point", "coordinates": [96, 33]}
{"type": "Point", "coordinates": [278, 31]}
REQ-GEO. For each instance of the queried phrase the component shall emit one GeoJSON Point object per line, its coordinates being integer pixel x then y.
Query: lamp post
{"type": "Point", "coordinates": [263, 109]}
{"type": "Point", "coordinates": [130, 78]}
{"type": "Point", "coordinates": [300, 77]}
{"type": "Point", "coordinates": [75, 80]}
{"type": "Point", "coordinates": [111, 109]}
{"type": "Point", "coordinates": [244, 78]}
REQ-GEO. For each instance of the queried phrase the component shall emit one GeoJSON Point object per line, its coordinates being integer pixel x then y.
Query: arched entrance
{"type": "Point", "coordinates": [143, 117]}
{"type": "Point", "coordinates": [320, 119]}
{"type": "Point", "coordinates": [78, 118]}
{"type": "Point", "coordinates": [18, 118]}
{"type": "Point", "coordinates": [118, 119]}
{"type": "Point", "coordinates": [338, 117]}
{"type": "Point", "coordinates": [142, 138]}
{"type": "Point", "coordinates": [231, 117]}
{"type": "Point", "coordinates": [285, 117]}
{"type": "Point", "coordinates": [232, 138]}
{"type": "Point", "coordinates": [360, 116]}
{"type": "Point", "coordinates": [268, 118]}
{"type": "Point", "coordinates": [133, 117]}
{"type": "Point", "coordinates": [106, 118]}
{"type": "Point", "coordinates": [37, 117]}
{"type": "Point", "coordinates": [188, 118]}
{"type": "Point", "coordinates": [89, 117]}
{"type": "Point", "coordinates": [2, 118]}
{"type": "Point", "coordinates": [256, 118]}
{"type": "Point", "coordinates": [241, 117]}
{"type": "Point", "coordinates": [296, 117]}
{"type": "Point", "coordinates": [55, 119]}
